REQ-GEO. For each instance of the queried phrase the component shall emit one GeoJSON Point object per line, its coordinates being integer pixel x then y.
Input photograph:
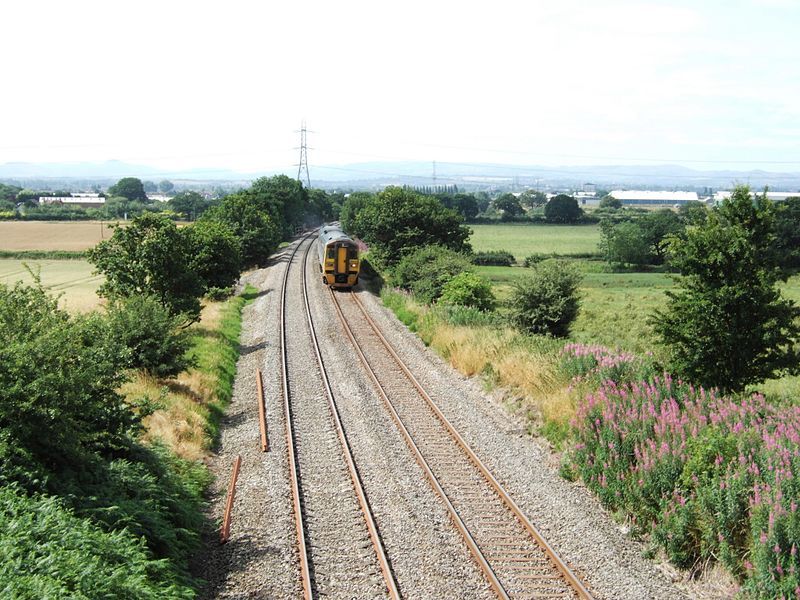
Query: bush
{"type": "Point", "coordinates": [468, 289]}
{"type": "Point", "coordinates": [546, 301]}
{"type": "Point", "coordinates": [494, 258]}
{"type": "Point", "coordinates": [157, 343]}
{"type": "Point", "coordinates": [48, 552]}
{"type": "Point", "coordinates": [426, 270]}
{"type": "Point", "coordinates": [534, 259]}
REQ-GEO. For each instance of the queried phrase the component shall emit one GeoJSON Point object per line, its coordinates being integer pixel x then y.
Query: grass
{"type": "Point", "coordinates": [525, 239]}
{"type": "Point", "coordinates": [52, 235]}
{"type": "Point", "coordinates": [190, 406]}
{"type": "Point", "coordinates": [73, 280]}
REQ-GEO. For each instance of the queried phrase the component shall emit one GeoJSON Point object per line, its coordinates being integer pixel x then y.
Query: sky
{"type": "Point", "coordinates": [176, 84]}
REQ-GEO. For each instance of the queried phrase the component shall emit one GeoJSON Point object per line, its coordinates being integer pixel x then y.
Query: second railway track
{"type": "Point", "coordinates": [516, 561]}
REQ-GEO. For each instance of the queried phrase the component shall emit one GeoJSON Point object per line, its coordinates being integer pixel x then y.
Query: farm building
{"type": "Point", "coordinates": [774, 196]}
{"type": "Point", "coordinates": [650, 198]}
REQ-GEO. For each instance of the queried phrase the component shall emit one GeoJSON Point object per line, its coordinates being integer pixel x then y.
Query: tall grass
{"type": "Point", "coordinates": [190, 407]}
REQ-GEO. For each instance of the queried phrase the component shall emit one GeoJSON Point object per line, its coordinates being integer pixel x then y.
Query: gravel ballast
{"type": "Point", "coordinates": [426, 554]}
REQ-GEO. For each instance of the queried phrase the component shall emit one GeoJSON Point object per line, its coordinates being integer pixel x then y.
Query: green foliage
{"type": "Point", "coordinates": [625, 244]}
{"type": "Point", "coordinates": [426, 270]}
{"type": "Point", "coordinates": [496, 258]}
{"type": "Point", "coordinates": [216, 253]}
{"type": "Point", "coordinates": [658, 228]}
{"type": "Point", "coordinates": [546, 301]}
{"type": "Point", "coordinates": [397, 221]}
{"type": "Point", "coordinates": [609, 202]}
{"type": "Point", "coordinates": [353, 205]}
{"type": "Point", "coordinates": [533, 198]}
{"type": "Point", "coordinates": [728, 325]}
{"type": "Point", "coordinates": [257, 231]}
{"type": "Point", "coordinates": [508, 205]}
{"type": "Point", "coordinates": [190, 205]}
{"type": "Point", "coordinates": [156, 342]}
{"type": "Point", "coordinates": [48, 552]}
{"type": "Point", "coordinates": [283, 198]}
{"type": "Point", "coordinates": [165, 186]}
{"type": "Point", "coordinates": [562, 209]}
{"type": "Point", "coordinates": [468, 289]}
{"type": "Point", "coordinates": [130, 188]}
{"type": "Point", "coordinates": [787, 233]}
{"type": "Point", "coordinates": [150, 256]}
{"type": "Point", "coordinates": [58, 376]}
{"type": "Point", "coordinates": [397, 303]}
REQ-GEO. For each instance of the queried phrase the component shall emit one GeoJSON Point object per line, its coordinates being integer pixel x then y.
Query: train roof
{"type": "Point", "coordinates": [329, 233]}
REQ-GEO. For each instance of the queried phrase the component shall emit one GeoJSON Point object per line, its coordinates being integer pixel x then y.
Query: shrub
{"type": "Point", "coordinates": [596, 364]}
{"type": "Point", "coordinates": [468, 289]}
{"type": "Point", "coordinates": [48, 552]}
{"type": "Point", "coordinates": [534, 259]}
{"type": "Point", "coordinates": [495, 258]}
{"type": "Point", "coordinates": [427, 269]}
{"type": "Point", "coordinates": [546, 301]}
{"type": "Point", "coordinates": [157, 343]}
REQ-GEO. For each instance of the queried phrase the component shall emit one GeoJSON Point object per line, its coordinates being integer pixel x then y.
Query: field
{"type": "Point", "coordinates": [73, 280]}
{"type": "Point", "coordinates": [52, 235]}
{"type": "Point", "coordinates": [525, 239]}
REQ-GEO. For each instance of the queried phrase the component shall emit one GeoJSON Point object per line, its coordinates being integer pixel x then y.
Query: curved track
{"type": "Point", "coordinates": [333, 520]}
{"type": "Point", "coordinates": [515, 559]}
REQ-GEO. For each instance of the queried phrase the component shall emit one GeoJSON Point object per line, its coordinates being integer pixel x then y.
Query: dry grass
{"type": "Point", "coordinates": [52, 235]}
{"type": "Point", "coordinates": [181, 421]}
{"type": "Point", "coordinates": [499, 352]}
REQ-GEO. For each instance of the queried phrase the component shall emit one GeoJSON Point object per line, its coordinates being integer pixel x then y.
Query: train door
{"type": "Point", "coordinates": [341, 259]}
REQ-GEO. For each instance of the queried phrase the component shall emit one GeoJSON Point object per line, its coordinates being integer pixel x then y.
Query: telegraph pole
{"type": "Point", "coordinates": [303, 165]}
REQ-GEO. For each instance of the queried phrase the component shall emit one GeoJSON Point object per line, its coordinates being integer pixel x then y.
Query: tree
{"type": "Point", "coordinates": [787, 232]}
{"type": "Point", "coordinates": [533, 198]}
{"type": "Point", "coordinates": [284, 199]}
{"type": "Point", "coordinates": [658, 227]}
{"type": "Point", "coordinates": [625, 243]}
{"type": "Point", "coordinates": [150, 256]}
{"type": "Point", "coordinates": [609, 202]}
{"type": "Point", "coordinates": [257, 232]}
{"type": "Point", "coordinates": [216, 253]}
{"type": "Point", "coordinates": [728, 325]}
{"type": "Point", "coordinates": [562, 209]}
{"type": "Point", "coordinates": [509, 205]}
{"type": "Point", "coordinates": [397, 221]}
{"type": "Point", "coordinates": [353, 204]}
{"type": "Point", "coordinates": [130, 188]}
{"type": "Point", "coordinates": [166, 186]}
{"type": "Point", "coordinates": [189, 204]}
{"type": "Point", "coordinates": [546, 302]}
{"type": "Point", "coordinates": [149, 187]}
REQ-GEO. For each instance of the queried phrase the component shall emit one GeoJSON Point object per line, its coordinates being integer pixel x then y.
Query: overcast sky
{"type": "Point", "coordinates": [178, 84]}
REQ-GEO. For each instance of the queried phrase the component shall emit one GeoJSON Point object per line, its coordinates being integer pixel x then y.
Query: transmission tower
{"type": "Point", "coordinates": [303, 165]}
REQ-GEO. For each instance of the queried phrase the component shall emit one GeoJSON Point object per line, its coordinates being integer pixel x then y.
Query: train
{"type": "Point", "coordinates": [339, 262]}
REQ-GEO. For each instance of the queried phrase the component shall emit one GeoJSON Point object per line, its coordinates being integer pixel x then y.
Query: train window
{"type": "Point", "coordinates": [331, 252]}
{"type": "Point", "coordinates": [352, 253]}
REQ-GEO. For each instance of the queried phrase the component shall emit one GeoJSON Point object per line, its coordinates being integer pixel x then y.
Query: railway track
{"type": "Point", "coordinates": [338, 545]}
{"type": "Point", "coordinates": [514, 558]}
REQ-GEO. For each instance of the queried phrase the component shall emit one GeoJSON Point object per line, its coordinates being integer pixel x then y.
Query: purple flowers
{"type": "Point", "coordinates": [715, 476]}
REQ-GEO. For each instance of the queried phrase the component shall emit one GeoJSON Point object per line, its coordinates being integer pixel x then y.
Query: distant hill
{"type": "Point", "coordinates": [420, 173]}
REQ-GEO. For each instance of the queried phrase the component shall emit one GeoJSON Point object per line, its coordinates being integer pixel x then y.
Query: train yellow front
{"type": "Point", "coordinates": [338, 257]}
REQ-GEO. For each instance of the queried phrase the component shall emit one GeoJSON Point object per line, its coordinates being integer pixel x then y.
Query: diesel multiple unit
{"type": "Point", "coordinates": [338, 257]}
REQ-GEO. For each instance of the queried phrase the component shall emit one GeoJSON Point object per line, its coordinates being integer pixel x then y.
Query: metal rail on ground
{"type": "Point", "coordinates": [511, 556]}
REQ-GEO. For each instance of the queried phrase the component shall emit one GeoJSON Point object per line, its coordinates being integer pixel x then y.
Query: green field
{"type": "Point", "coordinates": [525, 239]}
{"type": "Point", "coordinates": [73, 280]}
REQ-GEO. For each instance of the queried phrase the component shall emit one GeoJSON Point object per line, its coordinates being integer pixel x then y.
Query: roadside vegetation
{"type": "Point", "coordinates": [649, 378]}
{"type": "Point", "coordinates": [105, 417]}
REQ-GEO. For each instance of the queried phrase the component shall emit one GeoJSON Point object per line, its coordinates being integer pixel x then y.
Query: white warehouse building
{"type": "Point", "coordinates": [650, 198]}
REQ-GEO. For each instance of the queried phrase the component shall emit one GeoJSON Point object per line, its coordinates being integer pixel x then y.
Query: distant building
{"type": "Point", "coordinates": [81, 199]}
{"type": "Point", "coordinates": [590, 188]}
{"type": "Point", "coordinates": [587, 198]}
{"type": "Point", "coordinates": [650, 198]}
{"type": "Point", "coordinates": [774, 196]}
{"type": "Point", "coordinates": [158, 197]}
